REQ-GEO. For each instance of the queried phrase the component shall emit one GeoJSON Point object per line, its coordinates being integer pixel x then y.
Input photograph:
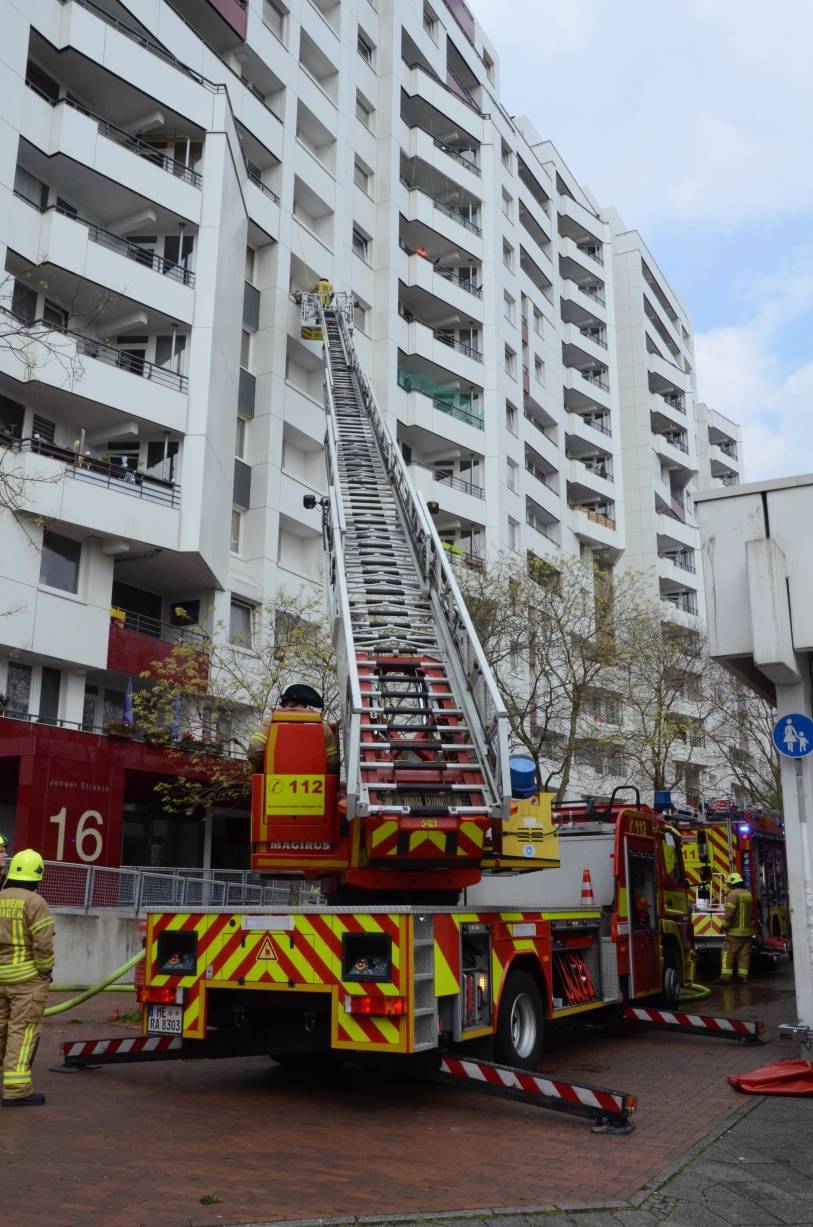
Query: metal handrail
{"type": "Point", "coordinates": [113, 476]}
{"type": "Point", "coordinates": [142, 148]}
{"type": "Point", "coordinates": [454, 411]}
{"type": "Point", "coordinates": [599, 298]}
{"type": "Point", "coordinates": [257, 181]}
{"type": "Point", "coordinates": [590, 336]}
{"type": "Point", "coordinates": [142, 624]}
{"type": "Point", "coordinates": [447, 338]}
{"type": "Point", "coordinates": [113, 241]}
{"type": "Point", "coordinates": [444, 208]}
{"type": "Point", "coordinates": [448, 274]}
{"type": "Point", "coordinates": [593, 255]}
{"type": "Point", "coordinates": [148, 44]}
{"type": "Point", "coordinates": [488, 721]}
{"type": "Point", "coordinates": [88, 347]}
{"type": "Point", "coordinates": [430, 72]}
{"type": "Point", "coordinates": [534, 523]}
{"type": "Point", "coordinates": [449, 479]}
{"type": "Point", "coordinates": [458, 157]}
{"type": "Point", "coordinates": [595, 379]}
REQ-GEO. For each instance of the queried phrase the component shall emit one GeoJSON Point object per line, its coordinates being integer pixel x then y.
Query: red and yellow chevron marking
{"type": "Point", "coordinates": [208, 928]}
{"type": "Point", "coordinates": [717, 842]}
{"type": "Point", "coordinates": [424, 840]}
{"type": "Point", "coordinates": [447, 956]}
{"type": "Point", "coordinates": [709, 924]}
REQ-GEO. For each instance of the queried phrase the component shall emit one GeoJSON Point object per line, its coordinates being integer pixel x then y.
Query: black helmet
{"type": "Point", "coordinates": [306, 695]}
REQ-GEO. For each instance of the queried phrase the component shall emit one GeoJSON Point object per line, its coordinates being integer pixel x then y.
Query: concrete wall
{"type": "Point", "coordinates": [89, 947]}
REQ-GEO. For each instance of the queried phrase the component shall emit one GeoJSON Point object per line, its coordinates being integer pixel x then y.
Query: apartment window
{"type": "Point", "coordinates": [240, 439]}
{"type": "Point", "coordinates": [488, 64]}
{"type": "Point", "coordinates": [505, 154]}
{"type": "Point", "coordinates": [59, 563]}
{"type": "Point", "coordinates": [507, 204]}
{"type": "Point", "coordinates": [24, 303]}
{"type": "Point", "coordinates": [511, 418]}
{"type": "Point", "coordinates": [236, 526]}
{"type": "Point", "coordinates": [539, 369]}
{"type": "Point", "coordinates": [512, 475]}
{"type": "Point", "coordinates": [509, 307]}
{"type": "Point", "coordinates": [510, 362]}
{"type": "Point", "coordinates": [250, 261]}
{"type": "Point", "coordinates": [364, 110]}
{"type": "Point", "coordinates": [18, 688]}
{"type": "Point", "coordinates": [362, 176]}
{"type": "Point", "coordinates": [539, 322]}
{"type": "Point", "coordinates": [361, 243]}
{"type": "Point", "coordinates": [31, 189]}
{"type": "Point", "coordinates": [361, 316]}
{"type": "Point", "coordinates": [245, 349]}
{"type": "Point", "coordinates": [54, 315]}
{"type": "Point", "coordinates": [275, 16]}
{"type": "Point", "coordinates": [365, 47]}
{"type": "Point", "coordinates": [430, 23]}
{"type": "Point", "coordinates": [513, 544]}
{"type": "Point", "coordinates": [240, 623]}
{"type": "Point", "coordinates": [507, 254]}
{"type": "Point", "coordinates": [50, 686]}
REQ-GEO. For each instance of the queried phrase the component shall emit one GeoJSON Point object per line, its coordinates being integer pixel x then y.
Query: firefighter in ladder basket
{"type": "Point", "coordinates": [298, 697]}
{"type": "Point", "coordinates": [738, 925]}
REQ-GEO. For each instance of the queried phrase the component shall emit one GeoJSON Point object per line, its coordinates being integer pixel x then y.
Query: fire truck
{"type": "Point", "coordinates": [728, 840]}
{"type": "Point", "coordinates": [459, 905]}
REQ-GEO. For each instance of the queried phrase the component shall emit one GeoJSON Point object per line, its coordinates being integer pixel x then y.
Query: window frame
{"type": "Point", "coordinates": [46, 581]}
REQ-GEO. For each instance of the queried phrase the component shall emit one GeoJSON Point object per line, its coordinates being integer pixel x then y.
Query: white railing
{"type": "Point", "coordinates": [97, 888]}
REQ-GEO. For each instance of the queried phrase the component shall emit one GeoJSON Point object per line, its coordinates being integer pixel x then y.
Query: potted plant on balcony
{"type": "Point", "coordinates": [118, 616]}
{"type": "Point", "coordinates": [119, 728]}
{"type": "Point", "coordinates": [160, 737]}
{"type": "Point", "coordinates": [188, 741]}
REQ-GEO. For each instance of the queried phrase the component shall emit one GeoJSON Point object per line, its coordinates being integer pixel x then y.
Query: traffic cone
{"type": "Point", "coordinates": [587, 890]}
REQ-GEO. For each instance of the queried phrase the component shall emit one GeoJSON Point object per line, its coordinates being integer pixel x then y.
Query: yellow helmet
{"type": "Point", "coordinates": [26, 866]}
{"type": "Point", "coordinates": [734, 879]}
{"type": "Point", "coordinates": [3, 841]}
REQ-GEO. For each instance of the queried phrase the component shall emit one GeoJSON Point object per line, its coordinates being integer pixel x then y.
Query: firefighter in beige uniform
{"type": "Point", "coordinates": [26, 965]}
{"type": "Point", "coordinates": [738, 925]}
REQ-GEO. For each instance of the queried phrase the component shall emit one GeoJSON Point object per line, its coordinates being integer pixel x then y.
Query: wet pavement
{"type": "Point", "coordinates": [244, 1141]}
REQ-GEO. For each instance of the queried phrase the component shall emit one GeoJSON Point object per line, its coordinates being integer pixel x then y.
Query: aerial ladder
{"type": "Point", "coordinates": [424, 729]}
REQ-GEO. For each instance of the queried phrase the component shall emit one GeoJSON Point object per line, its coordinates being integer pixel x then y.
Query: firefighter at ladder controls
{"type": "Point", "coordinates": [298, 697]}
{"type": "Point", "coordinates": [26, 967]}
{"type": "Point", "coordinates": [738, 925]}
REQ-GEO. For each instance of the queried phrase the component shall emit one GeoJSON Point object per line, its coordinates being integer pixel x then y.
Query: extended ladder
{"type": "Point", "coordinates": [424, 727]}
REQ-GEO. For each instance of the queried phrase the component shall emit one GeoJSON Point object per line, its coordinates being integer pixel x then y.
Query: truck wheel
{"type": "Point", "coordinates": [672, 980]}
{"type": "Point", "coordinates": [520, 1023]}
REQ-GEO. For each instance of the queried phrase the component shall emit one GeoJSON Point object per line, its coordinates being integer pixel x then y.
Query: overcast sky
{"type": "Point", "coordinates": [694, 119]}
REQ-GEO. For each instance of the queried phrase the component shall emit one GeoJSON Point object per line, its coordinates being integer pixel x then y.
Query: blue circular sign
{"type": "Point", "coordinates": [793, 735]}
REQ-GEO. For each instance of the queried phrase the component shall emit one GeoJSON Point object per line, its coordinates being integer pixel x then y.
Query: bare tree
{"type": "Point", "coordinates": [741, 730]}
{"type": "Point", "coordinates": [209, 694]}
{"type": "Point", "coordinates": [549, 633]}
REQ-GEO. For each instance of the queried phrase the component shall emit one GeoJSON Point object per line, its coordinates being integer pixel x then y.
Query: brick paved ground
{"type": "Point", "coordinates": [135, 1145]}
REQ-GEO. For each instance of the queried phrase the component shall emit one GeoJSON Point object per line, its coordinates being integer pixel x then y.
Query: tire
{"type": "Point", "coordinates": [520, 1023]}
{"type": "Point", "coordinates": [672, 979]}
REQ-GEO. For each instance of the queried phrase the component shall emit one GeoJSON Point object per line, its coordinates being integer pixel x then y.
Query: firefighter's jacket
{"type": "Point", "coordinates": [26, 936]}
{"type": "Point", "coordinates": [739, 913]}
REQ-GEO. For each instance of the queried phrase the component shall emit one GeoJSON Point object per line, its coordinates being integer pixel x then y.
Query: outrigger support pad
{"type": "Point", "coordinates": [744, 1030]}
{"type": "Point", "coordinates": [609, 1110]}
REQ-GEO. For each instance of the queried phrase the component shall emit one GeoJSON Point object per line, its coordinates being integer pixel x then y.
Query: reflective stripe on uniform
{"type": "Point", "coordinates": [42, 924]}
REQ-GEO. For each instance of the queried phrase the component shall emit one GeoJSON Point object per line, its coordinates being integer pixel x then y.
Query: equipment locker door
{"type": "Point", "coordinates": [645, 969]}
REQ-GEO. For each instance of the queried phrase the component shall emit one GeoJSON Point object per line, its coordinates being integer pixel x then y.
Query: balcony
{"type": "Point", "coordinates": [440, 398]}
{"type": "Point", "coordinates": [682, 559]}
{"type": "Point", "coordinates": [142, 149]}
{"type": "Point", "coordinates": [136, 642]}
{"type": "Point", "coordinates": [685, 602]}
{"type": "Point", "coordinates": [582, 424]}
{"type": "Point", "coordinates": [110, 476]}
{"type": "Point", "coordinates": [221, 23]}
{"type": "Point", "coordinates": [450, 275]}
{"type": "Point", "coordinates": [447, 210]}
{"type": "Point", "coordinates": [118, 243]}
{"type": "Point", "coordinates": [594, 516]}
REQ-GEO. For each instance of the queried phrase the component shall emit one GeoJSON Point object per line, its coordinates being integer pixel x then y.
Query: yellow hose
{"type": "Point", "coordinates": [80, 988]}
{"type": "Point", "coordinates": [95, 988]}
{"type": "Point", "coordinates": [694, 992]}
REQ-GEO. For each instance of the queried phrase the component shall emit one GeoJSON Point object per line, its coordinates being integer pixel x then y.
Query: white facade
{"type": "Point", "coordinates": [719, 449]}
{"type": "Point", "coordinates": [171, 177]}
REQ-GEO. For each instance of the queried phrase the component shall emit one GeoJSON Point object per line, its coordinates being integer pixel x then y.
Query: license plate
{"type": "Point", "coordinates": [165, 1020]}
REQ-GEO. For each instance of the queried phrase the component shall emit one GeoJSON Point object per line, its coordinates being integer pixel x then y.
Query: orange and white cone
{"type": "Point", "coordinates": [587, 890]}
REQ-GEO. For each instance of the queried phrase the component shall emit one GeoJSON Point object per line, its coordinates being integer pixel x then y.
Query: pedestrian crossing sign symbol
{"type": "Point", "coordinates": [267, 950]}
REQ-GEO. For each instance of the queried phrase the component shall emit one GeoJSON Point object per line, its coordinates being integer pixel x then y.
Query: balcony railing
{"type": "Point", "coordinates": [591, 377]}
{"type": "Point", "coordinates": [728, 449]}
{"type": "Point", "coordinates": [682, 560]}
{"type": "Point", "coordinates": [538, 525]}
{"type": "Point", "coordinates": [142, 148]}
{"type": "Point", "coordinates": [448, 274]}
{"type": "Point", "coordinates": [458, 157]}
{"type": "Point", "coordinates": [117, 243]}
{"type": "Point", "coordinates": [679, 441]}
{"type": "Point", "coordinates": [448, 338]}
{"type": "Point", "coordinates": [88, 347]}
{"type": "Point", "coordinates": [597, 423]}
{"type": "Point", "coordinates": [596, 516]}
{"type": "Point", "coordinates": [541, 477]}
{"type": "Point", "coordinates": [459, 557]}
{"type": "Point", "coordinates": [444, 208]}
{"type": "Point", "coordinates": [686, 602]}
{"type": "Point", "coordinates": [101, 472]}
{"type": "Point", "coordinates": [595, 337]}
{"type": "Point", "coordinates": [730, 479]}
{"type": "Point", "coordinates": [592, 253]}
{"type": "Point", "coordinates": [599, 467]}
{"type": "Point", "coordinates": [678, 508]}
{"type": "Point", "coordinates": [430, 72]}
{"type": "Point", "coordinates": [448, 479]}
{"type": "Point", "coordinates": [142, 624]}
{"type": "Point", "coordinates": [264, 188]}
{"type": "Point", "coordinates": [675, 402]}
{"type": "Point", "coordinates": [594, 294]}
{"type": "Point", "coordinates": [149, 45]}
{"type": "Point", "coordinates": [409, 384]}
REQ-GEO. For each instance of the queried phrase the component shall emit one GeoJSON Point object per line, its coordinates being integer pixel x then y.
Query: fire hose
{"type": "Point", "coordinates": [102, 985]}
{"type": "Point", "coordinates": [694, 992]}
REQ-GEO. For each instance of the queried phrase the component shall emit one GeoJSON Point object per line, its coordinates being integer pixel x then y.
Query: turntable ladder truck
{"type": "Point", "coordinates": [394, 963]}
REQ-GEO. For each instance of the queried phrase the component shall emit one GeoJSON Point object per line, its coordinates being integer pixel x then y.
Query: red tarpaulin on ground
{"type": "Point", "coordinates": [783, 1078]}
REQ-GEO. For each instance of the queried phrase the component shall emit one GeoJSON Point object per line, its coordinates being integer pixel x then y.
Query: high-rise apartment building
{"type": "Point", "coordinates": [171, 175]}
